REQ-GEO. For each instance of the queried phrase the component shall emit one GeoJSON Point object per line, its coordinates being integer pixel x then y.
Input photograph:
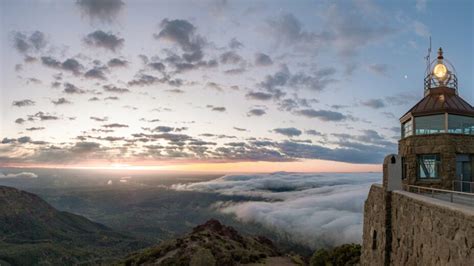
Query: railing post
{"type": "Point", "coordinates": [451, 196]}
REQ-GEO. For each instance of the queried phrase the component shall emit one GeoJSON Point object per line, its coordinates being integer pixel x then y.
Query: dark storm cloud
{"type": "Point", "coordinates": [263, 96]}
{"type": "Point", "coordinates": [313, 132]}
{"type": "Point", "coordinates": [60, 101]}
{"type": "Point", "coordinates": [20, 121]}
{"type": "Point", "coordinates": [379, 69]}
{"type": "Point", "coordinates": [70, 88]}
{"type": "Point", "coordinates": [213, 85]}
{"type": "Point", "coordinates": [230, 57]}
{"type": "Point", "coordinates": [24, 140]}
{"type": "Point", "coordinates": [99, 119]}
{"type": "Point", "coordinates": [102, 10]}
{"type": "Point", "coordinates": [50, 62]}
{"type": "Point", "coordinates": [24, 42]}
{"type": "Point", "coordinates": [42, 117]}
{"type": "Point", "coordinates": [262, 59]}
{"type": "Point", "coordinates": [143, 80]}
{"type": "Point", "coordinates": [23, 103]}
{"type": "Point", "coordinates": [182, 33]}
{"type": "Point", "coordinates": [235, 71]}
{"type": "Point", "coordinates": [240, 129]}
{"type": "Point", "coordinates": [96, 73]}
{"type": "Point", "coordinates": [163, 129]}
{"type": "Point", "coordinates": [216, 108]}
{"type": "Point", "coordinates": [324, 115]}
{"type": "Point", "coordinates": [289, 132]}
{"type": "Point", "coordinates": [111, 98]}
{"type": "Point", "coordinates": [177, 91]}
{"type": "Point", "coordinates": [115, 125]}
{"type": "Point", "coordinates": [157, 66]}
{"type": "Point", "coordinates": [256, 112]}
{"type": "Point", "coordinates": [106, 40]}
{"type": "Point", "coordinates": [374, 103]}
{"type": "Point", "coordinates": [291, 104]}
{"type": "Point", "coordinates": [317, 81]}
{"type": "Point", "coordinates": [117, 62]}
{"type": "Point", "coordinates": [147, 80]}
{"type": "Point", "coordinates": [71, 64]}
{"type": "Point", "coordinates": [235, 44]}
{"type": "Point", "coordinates": [114, 89]}
{"type": "Point", "coordinates": [35, 128]}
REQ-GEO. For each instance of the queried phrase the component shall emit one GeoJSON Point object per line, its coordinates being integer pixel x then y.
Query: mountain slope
{"type": "Point", "coordinates": [33, 232]}
{"type": "Point", "coordinates": [210, 244]}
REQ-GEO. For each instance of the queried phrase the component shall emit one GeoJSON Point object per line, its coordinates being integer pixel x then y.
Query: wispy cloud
{"type": "Point", "coordinates": [316, 210]}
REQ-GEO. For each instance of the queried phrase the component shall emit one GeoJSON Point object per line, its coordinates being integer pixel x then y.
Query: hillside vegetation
{"type": "Point", "coordinates": [33, 232]}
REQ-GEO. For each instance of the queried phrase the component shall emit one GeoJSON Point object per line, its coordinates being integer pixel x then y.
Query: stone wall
{"type": "Point", "coordinates": [424, 231]}
{"type": "Point", "coordinates": [446, 145]}
{"type": "Point", "coordinates": [373, 242]}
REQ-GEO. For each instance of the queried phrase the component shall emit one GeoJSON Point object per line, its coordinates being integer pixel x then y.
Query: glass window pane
{"type": "Point", "coordinates": [432, 124]}
{"type": "Point", "coordinates": [407, 128]}
{"type": "Point", "coordinates": [459, 124]}
{"type": "Point", "coordinates": [428, 166]}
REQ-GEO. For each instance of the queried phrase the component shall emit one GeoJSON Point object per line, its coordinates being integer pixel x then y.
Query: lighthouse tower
{"type": "Point", "coordinates": [437, 134]}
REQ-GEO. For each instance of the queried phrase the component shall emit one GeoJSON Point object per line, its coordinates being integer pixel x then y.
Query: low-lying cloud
{"type": "Point", "coordinates": [316, 210]}
{"type": "Point", "coordinates": [19, 175]}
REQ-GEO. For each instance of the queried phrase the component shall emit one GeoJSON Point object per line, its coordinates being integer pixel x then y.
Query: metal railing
{"type": "Point", "coordinates": [463, 186]}
{"type": "Point", "coordinates": [459, 197]}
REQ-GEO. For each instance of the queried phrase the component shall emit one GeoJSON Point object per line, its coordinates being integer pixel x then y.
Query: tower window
{"type": "Point", "coordinates": [407, 128]}
{"type": "Point", "coordinates": [374, 239]}
{"type": "Point", "coordinates": [404, 168]}
{"type": "Point", "coordinates": [432, 124]}
{"type": "Point", "coordinates": [459, 124]}
{"type": "Point", "coordinates": [428, 166]}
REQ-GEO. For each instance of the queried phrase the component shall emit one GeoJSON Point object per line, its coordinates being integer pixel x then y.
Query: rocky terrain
{"type": "Point", "coordinates": [212, 244]}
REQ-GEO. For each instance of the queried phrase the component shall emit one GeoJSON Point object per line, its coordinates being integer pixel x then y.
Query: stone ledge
{"type": "Point", "coordinates": [466, 210]}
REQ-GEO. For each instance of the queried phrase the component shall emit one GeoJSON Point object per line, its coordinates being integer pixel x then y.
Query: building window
{"type": "Point", "coordinates": [404, 168]}
{"type": "Point", "coordinates": [459, 124]}
{"type": "Point", "coordinates": [374, 239]}
{"type": "Point", "coordinates": [428, 166]}
{"type": "Point", "coordinates": [407, 128]}
{"type": "Point", "coordinates": [432, 124]}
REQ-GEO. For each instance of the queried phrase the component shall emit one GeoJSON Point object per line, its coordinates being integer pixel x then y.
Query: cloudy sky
{"type": "Point", "coordinates": [218, 85]}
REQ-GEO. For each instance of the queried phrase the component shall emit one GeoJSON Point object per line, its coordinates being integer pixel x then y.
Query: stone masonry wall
{"type": "Point", "coordinates": [427, 231]}
{"type": "Point", "coordinates": [373, 242]}
{"type": "Point", "coordinates": [446, 145]}
{"type": "Point", "coordinates": [424, 231]}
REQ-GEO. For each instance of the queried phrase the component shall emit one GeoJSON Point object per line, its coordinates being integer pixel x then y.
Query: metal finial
{"type": "Point", "coordinates": [440, 53]}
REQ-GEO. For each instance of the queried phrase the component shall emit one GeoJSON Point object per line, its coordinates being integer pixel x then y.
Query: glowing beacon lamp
{"type": "Point", "coordinates": [440, 71]}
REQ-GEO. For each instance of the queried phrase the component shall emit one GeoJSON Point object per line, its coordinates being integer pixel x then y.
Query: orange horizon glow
{"type": "Point", "coordinates": [312, 165]}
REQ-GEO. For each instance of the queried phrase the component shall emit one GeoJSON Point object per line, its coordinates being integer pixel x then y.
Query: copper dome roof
{"type": "Point", "coordinates": [438, 101]}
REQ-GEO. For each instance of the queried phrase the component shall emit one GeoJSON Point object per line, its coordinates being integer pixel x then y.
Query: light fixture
{"type": "Point", "coordinates": [440, 71]}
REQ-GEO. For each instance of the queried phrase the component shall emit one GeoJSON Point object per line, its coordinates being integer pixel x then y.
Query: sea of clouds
{"type": "Point", "coordinates": [316, 210]}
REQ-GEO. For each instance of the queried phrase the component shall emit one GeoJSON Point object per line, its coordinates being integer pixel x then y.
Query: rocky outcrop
{"type": "Point", "coordinates": [211, 243]}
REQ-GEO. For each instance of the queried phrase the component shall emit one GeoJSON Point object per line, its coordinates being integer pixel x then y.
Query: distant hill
{"type": "Point", "coordinates": [33, 232]}
{"type": "Point", "coordinates": [211, 244]}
